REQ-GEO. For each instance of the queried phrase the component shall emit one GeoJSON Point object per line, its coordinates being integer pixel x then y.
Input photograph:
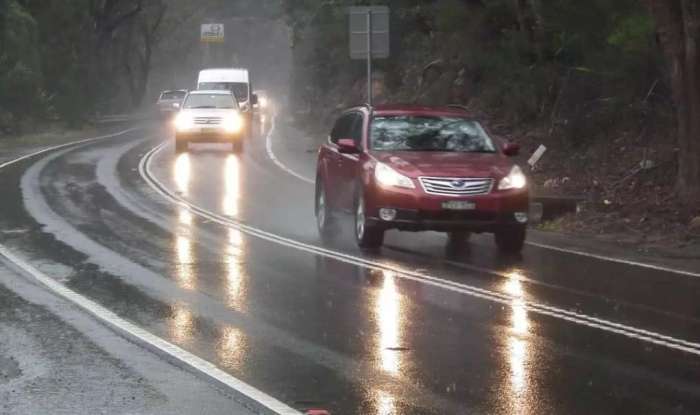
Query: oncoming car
{"type": "Point", "coordinates": [169, 101]}
{"type": "Point", "coordinates": [417, 168]}
{"type": "Point", "coordinates": [209, 116]}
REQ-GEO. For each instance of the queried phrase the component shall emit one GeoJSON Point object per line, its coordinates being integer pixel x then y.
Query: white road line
{"type": "Point", "coordinates": [600, 257]}
{"type": "Point", "coordinates": [246, 394]}
{"type": "Point", "coordinates": [271, 155]}
{"type": "Point", "coordinates": [618, 260]}
{"type": "Point", "coordinates": [539, 308]}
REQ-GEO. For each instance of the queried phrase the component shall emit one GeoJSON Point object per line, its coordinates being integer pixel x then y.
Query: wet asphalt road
{"type": "Point", "coordinates": [417, 329]}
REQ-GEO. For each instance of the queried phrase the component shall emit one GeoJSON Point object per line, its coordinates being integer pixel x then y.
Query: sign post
{"type": "Point", "coordinates": [369, 37]}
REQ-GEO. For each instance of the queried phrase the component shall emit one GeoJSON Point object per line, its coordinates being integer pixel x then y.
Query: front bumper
{"type": "Point", "coordinates": [419, 211]}
{"type": "Point", "coordinates": [214, 136]}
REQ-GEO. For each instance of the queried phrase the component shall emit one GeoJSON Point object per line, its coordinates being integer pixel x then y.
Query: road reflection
{"type": "Point", "coordinates": [184, 254]}
{"type": "Point", "coordinates": [389, 320]}
{"type": "Point", "coordinates": [518, 346]}
{"type": "Point", "coordinates": [386, 404]}
{"type": "Point", "coordinates": [231, 348]}
{"type": "Point", "coordinates": [181, 173]}
{"type": "Point", "coordinates": [388, 310]}
{"type": "Point", "coordinates": [231, 186]}
{"type": "Point", "coordinates": [181, 324]}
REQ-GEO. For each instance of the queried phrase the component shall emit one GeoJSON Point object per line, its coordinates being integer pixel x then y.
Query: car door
{"type": "Point", "coordinates": [331, 160]}
{"type": "Point", "coordinates": [348, 166]}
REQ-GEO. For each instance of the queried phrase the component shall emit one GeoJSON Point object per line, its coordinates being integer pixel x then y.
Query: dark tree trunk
{"type": "Point", "coordinates": [678, 31]}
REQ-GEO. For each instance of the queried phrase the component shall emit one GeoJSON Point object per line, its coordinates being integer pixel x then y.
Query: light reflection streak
{"type": "Point", "coordinates": [231, 186]}
{"type": "Point", "coordinates": [388, 314]}
{"type": "Point", "coordinates": [386, 404]}
{"type": "Point", "coordinates": [235, 274]}
{"type": "Point", "coordinates": [388, 311]}
{"type": "Point", "coordinates": [181, 324]}
{"type": "Point", "coordinates": [181, 173]}
{"type": "Point", "coordinates": [184, 253]}
{"type": "Point", "coordinates": [517, 344]}
{"type": "Point", "coordinates": [231, 347]}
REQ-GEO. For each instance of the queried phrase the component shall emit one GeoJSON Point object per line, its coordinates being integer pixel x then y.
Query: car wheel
{"type": "Point", "coordinates": [324, 214]}
{"type": "Point", "coordinates": [458, 238]}
{"type": "Point", "coordinates": [511, 239]}
{"type": "Point", "coordinates": [180, 146]}
{"type": "Point", "coordinates": [368, 236]}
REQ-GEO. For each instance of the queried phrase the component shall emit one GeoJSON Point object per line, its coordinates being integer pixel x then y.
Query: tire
{"type": "Point", "coordinates": [325, 220]}
{"type": "Point", "coordinates": [458, 238]}
{"type": "Point", "coordinates": [367, 235]}
{"type": "Point", "coordinates": [511, 239]}
{"type": "Point", "coordinates": [180, 146]}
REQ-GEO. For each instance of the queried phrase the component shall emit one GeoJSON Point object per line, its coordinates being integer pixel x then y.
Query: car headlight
{"type": "Point", "coordinates": [388, 177]}
{"type": "Point", "coordinates": [184, 121]}
{"type": "Point", "coordinates": [262, 102]}
{"type": "Point", "coordinates": [233, 123]}
{"type": "Point", "coordinates": [514, 180]}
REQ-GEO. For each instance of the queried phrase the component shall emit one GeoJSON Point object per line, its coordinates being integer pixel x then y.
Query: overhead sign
{"type": "Point", "coordinates": [212, 33]}
{"type": "Point", "coordinates": [361, 20]}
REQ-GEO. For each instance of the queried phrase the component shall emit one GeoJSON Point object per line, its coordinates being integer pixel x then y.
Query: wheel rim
{"type": "Point", "coordinates": [321, 210]}
{"type": "Point", "coordinates": [360, 219]}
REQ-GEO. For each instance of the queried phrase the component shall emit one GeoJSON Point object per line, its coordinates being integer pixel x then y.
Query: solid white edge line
{"type": "Point", "coordinates": [271, 155]}
{"type": "Point", "coordinates": [555, 312]}
{"type": "Point", "coordinates": [240, 391]}
{"type": "Point", "coordinates": [278, 162]}
{"type": "Point", "coordinates": [618, 260]}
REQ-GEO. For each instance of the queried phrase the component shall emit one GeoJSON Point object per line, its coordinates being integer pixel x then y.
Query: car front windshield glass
{"type": "Point", "coordinates": [239, 89]}
{"type": "Point", "coordinates": [222, 101]}
{"type": "Point", "coordinates": [429, 133]}
{"type": "Point", "coordinates": [172, 95]}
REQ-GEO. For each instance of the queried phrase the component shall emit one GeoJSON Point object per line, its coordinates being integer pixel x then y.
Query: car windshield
{"type": "Point", "coordinates": [171, 95]}
{"type": "Point", "coordinates": [429, 133]}
{"type": "Point", "coordinates": [223, 101]}
{"type": "Point", "coordinates": [239, 89]}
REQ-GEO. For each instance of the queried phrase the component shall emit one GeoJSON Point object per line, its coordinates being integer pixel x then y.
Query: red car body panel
{"type": "Point", "coordinates": [344, 175]}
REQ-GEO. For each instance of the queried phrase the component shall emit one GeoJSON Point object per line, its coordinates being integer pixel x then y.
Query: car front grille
{"type": "Point", "coordinates": [207, 120]}
{"type": "Point", "coordinates": [450, 186]}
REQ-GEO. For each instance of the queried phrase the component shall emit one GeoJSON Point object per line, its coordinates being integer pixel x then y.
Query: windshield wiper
{"type": "Point", "coordinates": [203, 106]}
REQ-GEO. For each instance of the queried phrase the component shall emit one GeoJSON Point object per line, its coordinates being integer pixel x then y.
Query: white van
{"type": "Point", "coordinates": [236, 80]}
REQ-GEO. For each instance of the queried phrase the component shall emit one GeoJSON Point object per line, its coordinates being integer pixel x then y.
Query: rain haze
{"type": "Point", "coordinates": [349, 207]}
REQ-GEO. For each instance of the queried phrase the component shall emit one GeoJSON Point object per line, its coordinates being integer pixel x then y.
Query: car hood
{"type": "Point", "coordinates": [445, 164]}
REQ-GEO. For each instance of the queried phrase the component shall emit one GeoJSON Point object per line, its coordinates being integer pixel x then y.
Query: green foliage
{"type": "Point", "coordinates": [633, 34]}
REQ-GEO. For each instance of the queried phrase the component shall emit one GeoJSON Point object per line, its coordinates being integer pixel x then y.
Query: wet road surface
{"type": "Point", "coordinates": [235, 273]}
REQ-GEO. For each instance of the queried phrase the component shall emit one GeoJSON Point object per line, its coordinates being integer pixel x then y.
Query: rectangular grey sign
{"type": "Point", "coordinates": [359, 31]}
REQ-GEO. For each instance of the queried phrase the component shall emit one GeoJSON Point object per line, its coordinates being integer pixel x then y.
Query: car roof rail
{"type": "Point", "coordinates": [458, 107]}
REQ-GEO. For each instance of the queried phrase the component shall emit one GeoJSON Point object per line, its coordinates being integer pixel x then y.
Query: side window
{"type": "Point", "coordinates": [341, 129]}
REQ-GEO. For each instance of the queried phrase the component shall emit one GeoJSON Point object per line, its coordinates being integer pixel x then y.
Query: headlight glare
{"type": "Point", "coordinates": [514, 180]}
{"type": "Point", "coordinates": [388, 177]}
{"type": "Point", "coordinates": [233, 123]}
{"type": "Point", "coordinates": [183, 121]}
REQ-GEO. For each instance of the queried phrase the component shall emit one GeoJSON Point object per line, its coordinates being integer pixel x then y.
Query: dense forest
{"type": "Point", "coordinates": [585, 72]}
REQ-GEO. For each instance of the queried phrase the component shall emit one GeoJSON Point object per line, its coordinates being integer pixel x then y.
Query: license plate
{"type": "Point", "coordinates": [459, 205]}
{"type": "Point", "coordinates": [208, 130]}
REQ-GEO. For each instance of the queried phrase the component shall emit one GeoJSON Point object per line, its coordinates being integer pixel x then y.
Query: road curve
{"type": "Point", "coordinates": [218, 254]}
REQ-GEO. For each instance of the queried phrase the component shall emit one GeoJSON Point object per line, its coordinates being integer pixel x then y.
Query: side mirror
{"type": "Point", "coordinates": [347, 146]}
{"type": "Point", "coordinates": [511, 149]}
{"type": "Point", "coordinates": [254, 99]}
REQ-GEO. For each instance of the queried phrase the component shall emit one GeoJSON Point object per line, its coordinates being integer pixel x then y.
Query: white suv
{"type": "Point", "coordinates": [209, 116]}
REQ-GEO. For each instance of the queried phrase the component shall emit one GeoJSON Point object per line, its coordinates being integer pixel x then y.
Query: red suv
{"type": "Point", "coordinates": [417, 168]}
